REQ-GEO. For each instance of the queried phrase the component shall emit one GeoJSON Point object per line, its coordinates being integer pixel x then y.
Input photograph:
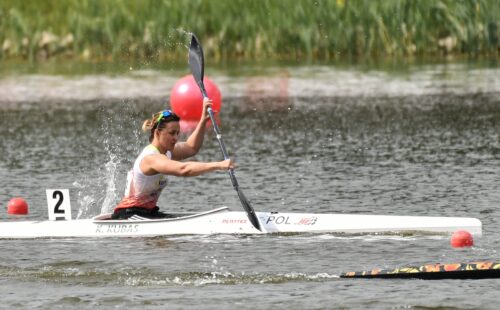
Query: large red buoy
{"type": "Point", "coordinates": [461, 238]}
{"type": "Point", "coordinates": [186, 99]}
{"type": "Point", "coordinates": [17, 205]}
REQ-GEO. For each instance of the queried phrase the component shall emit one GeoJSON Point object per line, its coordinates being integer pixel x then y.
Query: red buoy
{"type": "Point", "coordinates": [461, 238]}
{"type": "Point", "coordinates": [186, 99]}
{"type": "Point", "coordinates": [17, 205]}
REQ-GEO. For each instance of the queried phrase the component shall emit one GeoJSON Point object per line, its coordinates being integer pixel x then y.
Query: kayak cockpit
{"type": "Point", "coordinates": [106, 217]}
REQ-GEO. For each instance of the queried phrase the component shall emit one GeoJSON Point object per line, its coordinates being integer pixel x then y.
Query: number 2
{"type": "Point", "coordinates": [59, 202]}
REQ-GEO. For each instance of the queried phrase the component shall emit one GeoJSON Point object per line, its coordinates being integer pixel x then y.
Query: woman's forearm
{"type": "Point", "coordinates": [193, 168]}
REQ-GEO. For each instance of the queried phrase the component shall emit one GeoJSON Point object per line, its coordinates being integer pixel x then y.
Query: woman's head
{"type": "Point", "coordinates": [159, 121]}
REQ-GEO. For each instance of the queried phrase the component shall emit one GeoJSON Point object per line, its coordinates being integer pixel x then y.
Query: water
{"type": "Point", "coordinates": [424, 141]}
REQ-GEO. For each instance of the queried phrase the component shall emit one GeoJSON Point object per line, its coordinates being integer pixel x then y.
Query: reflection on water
{"type": "Point", "coordinates": [280, 82]}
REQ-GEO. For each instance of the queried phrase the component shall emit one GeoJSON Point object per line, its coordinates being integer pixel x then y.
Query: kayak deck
{"type": "Point", "coordinates": [223, 221]}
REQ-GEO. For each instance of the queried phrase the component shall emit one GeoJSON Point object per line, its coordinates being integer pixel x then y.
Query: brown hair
{"type": "Point", "coordinates": [152, 123]}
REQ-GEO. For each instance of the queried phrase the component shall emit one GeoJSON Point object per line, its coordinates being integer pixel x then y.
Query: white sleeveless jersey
{"type": "Point", "coordinates": [143, 190]}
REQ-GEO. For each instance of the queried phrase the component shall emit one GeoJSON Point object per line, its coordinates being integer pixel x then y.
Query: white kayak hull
{"type": "Point", "coordinates": [223, 221]}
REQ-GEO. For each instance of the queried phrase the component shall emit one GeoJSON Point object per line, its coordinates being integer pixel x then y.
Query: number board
{"type": "Point", "coordinates": [58, 204]}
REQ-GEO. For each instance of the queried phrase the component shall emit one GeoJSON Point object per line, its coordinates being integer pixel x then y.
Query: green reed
{"type": "Point", "coordinates": [248, 29]}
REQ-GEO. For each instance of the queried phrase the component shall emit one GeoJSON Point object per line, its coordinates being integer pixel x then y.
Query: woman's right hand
{"type": "Point", "coordinates": [227, 164]}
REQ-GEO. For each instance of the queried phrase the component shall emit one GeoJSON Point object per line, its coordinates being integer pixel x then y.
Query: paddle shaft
{"type": "Point", "coordinates": [197, 65]}
{"type": "Point", "coordinates": [219, 136]}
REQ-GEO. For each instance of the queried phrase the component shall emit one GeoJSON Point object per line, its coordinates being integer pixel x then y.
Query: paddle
{"type": "Point", "coordinates": [197, 64]}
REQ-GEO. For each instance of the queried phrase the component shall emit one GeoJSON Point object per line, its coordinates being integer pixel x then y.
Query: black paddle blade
{"type": "Point", "coordinates": [248, 208]}
{"type": "Point", "coordinates": [197, 63]}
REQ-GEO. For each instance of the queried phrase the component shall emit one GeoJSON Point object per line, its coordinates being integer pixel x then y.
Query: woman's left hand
{"type": "Point", "coordinates": [207, 102]}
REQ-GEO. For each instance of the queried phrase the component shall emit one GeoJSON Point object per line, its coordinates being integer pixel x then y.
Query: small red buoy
{"type": "Point", "coordinates": [461, 238]}
{"type": "Point", "coordinates": [17, 205]}
{"type": "Point", "coordinates": [186, 99]}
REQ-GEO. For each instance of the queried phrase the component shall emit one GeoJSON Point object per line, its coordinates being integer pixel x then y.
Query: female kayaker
{"type": "Point", "coordinates": [162, 158]}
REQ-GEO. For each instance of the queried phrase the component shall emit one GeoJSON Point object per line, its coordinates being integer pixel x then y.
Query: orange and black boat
{"type": "Point", "coordinates": [472, 270]}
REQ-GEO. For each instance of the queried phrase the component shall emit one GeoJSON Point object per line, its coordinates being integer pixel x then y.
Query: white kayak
{"type": "Point", "coordinates": [223, 221]}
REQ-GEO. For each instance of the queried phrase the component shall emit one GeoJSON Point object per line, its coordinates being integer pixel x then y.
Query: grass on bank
{"type": "Point", "coordinates": [260, 29]}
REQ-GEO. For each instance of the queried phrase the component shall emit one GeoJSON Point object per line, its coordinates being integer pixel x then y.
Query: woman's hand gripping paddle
{"type": "Point", "coordinates": [197, 63]}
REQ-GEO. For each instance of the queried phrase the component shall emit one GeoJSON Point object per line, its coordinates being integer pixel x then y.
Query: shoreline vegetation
{"type": "Point", "coordinates": [157, 30]}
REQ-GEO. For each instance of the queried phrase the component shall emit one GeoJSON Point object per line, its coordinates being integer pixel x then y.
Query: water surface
{"type": "Point", "coordinates": [424, 141]}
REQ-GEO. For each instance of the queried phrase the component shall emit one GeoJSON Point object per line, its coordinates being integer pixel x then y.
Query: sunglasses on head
{"type": "Point", "coordinates": [163, 115]}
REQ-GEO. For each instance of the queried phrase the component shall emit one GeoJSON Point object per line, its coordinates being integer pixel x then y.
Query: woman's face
{"type": "Point", "coordinates": [169, 136]}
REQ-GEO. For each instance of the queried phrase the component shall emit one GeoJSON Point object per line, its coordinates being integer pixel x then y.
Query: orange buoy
{"type": "Point", "coordinates": [461, 238]}
{"type": "Point", "coordinates": [17, 205]}
{"type": "Point", "coordinates": [186, 99]}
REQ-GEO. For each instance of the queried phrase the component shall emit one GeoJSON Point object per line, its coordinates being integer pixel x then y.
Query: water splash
{"type": "Point", "coordinates": [85, 202]}
{"type": "Point", "coordinates": [100, 189]}
{"type": "Point", "coordinates": [115, 172]}
{"type": "Point", "coordinates": [179, 37]}
{"type": "Point", "coordinates": [111, 195]}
